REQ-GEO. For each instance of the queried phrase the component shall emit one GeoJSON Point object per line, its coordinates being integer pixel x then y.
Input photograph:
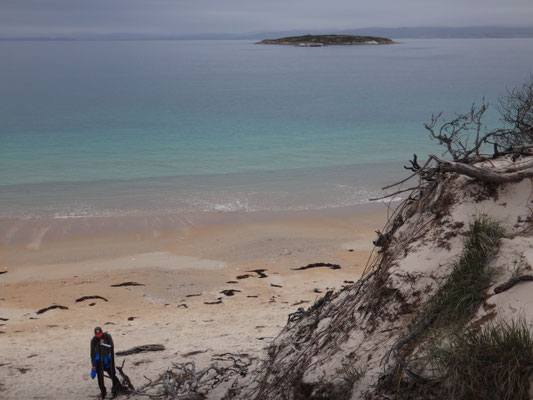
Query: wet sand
{"type": "Point", "coordinates": [180, 271]}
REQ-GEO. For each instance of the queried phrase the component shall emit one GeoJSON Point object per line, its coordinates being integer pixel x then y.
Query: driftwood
{"type": "Point", "coordinates": [3, 272]}
{"type": "Point", "coordinates": [483, 174]}
{"type": "Point", "coordinates": [193, 295]}
{"type": "Point", "coordinates": [260, 272]}
{"type": "Point", "coordinates": [274, 285]}
{"type": "Point", "coordinates": [127, 284]}
{"type": "Point", "coordinates": [141, 349]}
{"type": "Point", "coordinates": [43, 310]}
{"type": "Point", "coordinates": [243, 276]}
{"type": "Point", "coordinates": [318, 265]}
{"type": "Point", "coordinates": [183, 382]}
{"type": "Point", "coordinates": [125, 387]}
{"type": "Point", "coordinates": [90, 298]}
{"type": "Point", "coordinates": [126, 382]}
{"type": "Point", "coordinates": [4, 319]}
{"type": "Point", "coordinates": [511, 282]}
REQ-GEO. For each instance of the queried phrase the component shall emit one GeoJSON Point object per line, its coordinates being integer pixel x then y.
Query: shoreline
{"type": "Point", "coordinates": [44, 240]}
{"type": "Point", "coordinates": [181, 304]}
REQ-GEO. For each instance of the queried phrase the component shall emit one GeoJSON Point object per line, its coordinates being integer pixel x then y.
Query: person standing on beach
{"type": "Point", "coordinates": [103, 359]}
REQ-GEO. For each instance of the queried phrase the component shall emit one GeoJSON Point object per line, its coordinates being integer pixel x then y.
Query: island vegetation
{"type": "Point", "coordinates": [327, 40]}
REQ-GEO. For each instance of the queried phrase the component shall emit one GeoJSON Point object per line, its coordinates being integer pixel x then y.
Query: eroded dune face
{"type": "Point", "coordinates": [372, 339]}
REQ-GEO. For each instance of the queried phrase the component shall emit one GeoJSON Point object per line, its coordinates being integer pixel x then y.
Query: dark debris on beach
{"type": "Point", "coordinates": [318, 265]}
{"type": "Point", "coordinates": [90, 298]}
{"type": "Point", "coordinates": [43, 310]}
{"type": "Point", "coordinates": [127, 284]}
{"type": "Point", "coordinates": [260, 272]}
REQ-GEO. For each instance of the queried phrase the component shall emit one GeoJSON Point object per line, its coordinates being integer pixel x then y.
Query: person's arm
{"type": "Point", "coordinates": [112, 351]}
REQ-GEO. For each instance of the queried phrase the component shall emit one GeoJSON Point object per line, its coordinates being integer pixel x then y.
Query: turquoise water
{"type": "Point", "coordinates": [134, 128]}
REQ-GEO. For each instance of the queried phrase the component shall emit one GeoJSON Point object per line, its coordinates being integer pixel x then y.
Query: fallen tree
{"type": "Point", "coordinates": [484, 174]}
{"type": "Point", "coordinates": [467, 140]}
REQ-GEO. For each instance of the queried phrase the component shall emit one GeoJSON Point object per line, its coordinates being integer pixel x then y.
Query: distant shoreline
{"type": "Point", "coordinates": [442, 32]}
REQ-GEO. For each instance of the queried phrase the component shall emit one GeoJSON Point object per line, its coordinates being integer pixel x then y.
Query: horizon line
{"type": "Point", "coordinates": [498, 31]}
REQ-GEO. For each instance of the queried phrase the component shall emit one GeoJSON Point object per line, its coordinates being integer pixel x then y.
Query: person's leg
{"type": "Point", "coordinates": [116, 382]}
{"type": "Point", "coordinates": [100, 375]}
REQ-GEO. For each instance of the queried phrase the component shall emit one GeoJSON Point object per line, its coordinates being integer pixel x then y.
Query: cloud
{"type": "Point", "coordinates": [195, 16]}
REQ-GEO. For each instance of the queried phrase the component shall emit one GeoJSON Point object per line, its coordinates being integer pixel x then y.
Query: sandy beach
{"type": "Point", "coordinates": [179, 273]}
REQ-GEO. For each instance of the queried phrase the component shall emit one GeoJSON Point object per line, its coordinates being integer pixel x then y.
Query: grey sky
{"type": "Point", "coordinates": [20, 17]}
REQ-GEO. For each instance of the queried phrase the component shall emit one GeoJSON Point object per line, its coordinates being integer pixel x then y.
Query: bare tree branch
{"type": "Point", "coordinates": [465, 136]}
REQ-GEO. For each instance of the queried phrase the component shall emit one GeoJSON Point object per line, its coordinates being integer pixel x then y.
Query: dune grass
{"type": "Point", "coordinates": [470, 363]}
{"type": "Point", "coordinates": [462, 293]}
{"type": "Point", "coordinates": [491, 363]}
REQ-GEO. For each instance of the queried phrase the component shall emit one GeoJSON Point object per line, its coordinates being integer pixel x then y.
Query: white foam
{"type": "Point", "coordinates": [316, 196]}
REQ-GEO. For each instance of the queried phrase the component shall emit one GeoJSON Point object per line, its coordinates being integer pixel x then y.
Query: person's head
{"type": "Point", "coordinates": [98, 332]}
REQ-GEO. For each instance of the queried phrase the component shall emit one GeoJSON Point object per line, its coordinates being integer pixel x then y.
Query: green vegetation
{"type": "Point", "coordinates": [462, 293]}
{"type": "Point", "coordinates": [493, 363]}
{"type": "Point", "coordinates": [327, 40]}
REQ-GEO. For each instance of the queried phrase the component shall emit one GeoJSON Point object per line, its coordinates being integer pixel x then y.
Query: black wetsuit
{"type": "Point", "coordinates": [103, 358]}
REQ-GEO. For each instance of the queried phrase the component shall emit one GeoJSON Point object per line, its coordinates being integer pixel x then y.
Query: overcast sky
{"type": "Point", "coordinates": [21, 17]}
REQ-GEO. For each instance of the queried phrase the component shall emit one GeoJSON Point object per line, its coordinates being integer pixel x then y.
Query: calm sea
{"type": "Point", "coordinates": [152, 127]}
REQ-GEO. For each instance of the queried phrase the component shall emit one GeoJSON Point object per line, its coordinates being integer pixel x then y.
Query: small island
{"type": "Point", "coordinates": [327, 40]}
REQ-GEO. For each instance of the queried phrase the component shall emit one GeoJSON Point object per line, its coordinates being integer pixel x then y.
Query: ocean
{"type": "Point", "coordinates": [141, 128]}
